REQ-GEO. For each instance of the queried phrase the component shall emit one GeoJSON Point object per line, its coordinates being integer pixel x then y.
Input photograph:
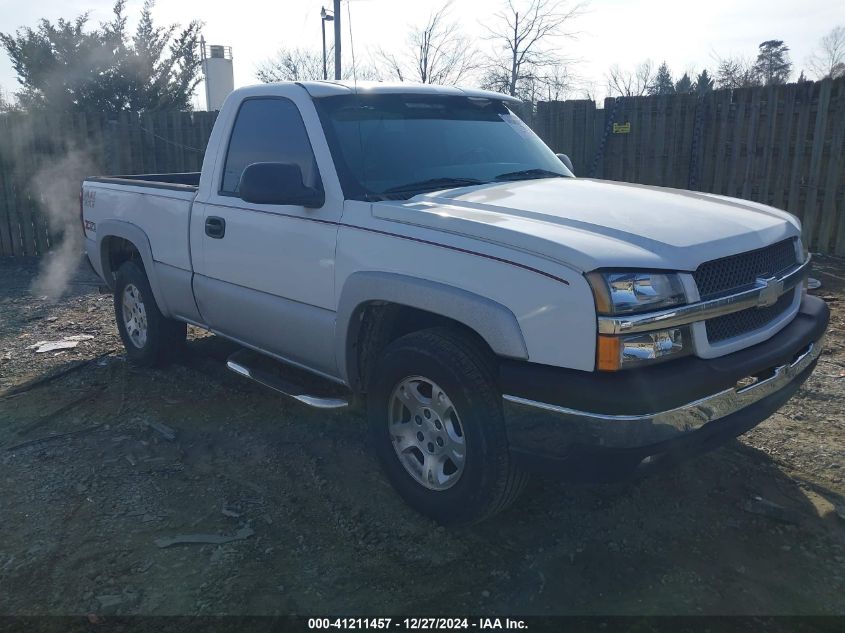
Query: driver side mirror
{"type": "Point", "coordinates": [566, 161]}
{"type": "Point", "coordinates": [278, 183]}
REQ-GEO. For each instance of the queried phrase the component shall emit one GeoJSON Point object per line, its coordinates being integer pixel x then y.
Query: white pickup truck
{"type": "Point", "coordinates": [428, 257]}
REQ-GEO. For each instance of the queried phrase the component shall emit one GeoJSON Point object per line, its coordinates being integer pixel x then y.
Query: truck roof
{"type": "Point", "coordinates": [318, 89]}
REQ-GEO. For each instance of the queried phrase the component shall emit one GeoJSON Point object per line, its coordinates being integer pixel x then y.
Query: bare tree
{"type": "Point", "coordinates": [292, 64]}
{"type": "Point", "coordinates": [391, 65]}
{"type": "Point", "coordinates": [589, 90]}
{"type": "Point", "coordinates": [5, 104]}
{"type": "Point", "coordinates": [523, 41]}
{"type": "Point", "coordinates": [630, 83]}
{"type": "Point", "coordinates": [303, 64]}
{"type": "Point", "coordinates": [828, 60]}
{"type": "Point", "coordinates": [438, 53]}
{"type": "Point", "coordinates": [553, 83]}
{"type": "Point", "coordinates": [736, 72]}
{"type": "Point", "coordinates": [557, 82]}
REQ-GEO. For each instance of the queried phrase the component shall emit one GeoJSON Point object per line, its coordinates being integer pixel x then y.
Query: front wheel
{"type": "Point", "coordinates": [436, 421]}
{"type": "Point", "coordinates": [149, 337]}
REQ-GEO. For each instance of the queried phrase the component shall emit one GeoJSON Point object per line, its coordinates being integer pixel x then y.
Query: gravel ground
{"type": "Point", "coordinates": [101, 462]}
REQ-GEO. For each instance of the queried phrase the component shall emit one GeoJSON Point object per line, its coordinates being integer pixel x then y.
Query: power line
{"type": "Point", "coordinates": [167, 140]}
{"type": "Point", "coordinates": [352, 45]}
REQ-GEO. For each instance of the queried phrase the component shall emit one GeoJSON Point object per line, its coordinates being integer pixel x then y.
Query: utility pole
{"type": "Point", "coordinates": [325, 17]}
{"type": "Point", "coordinates": [337, 72]}
{"type": "Point", "coordinates": [204, 72]}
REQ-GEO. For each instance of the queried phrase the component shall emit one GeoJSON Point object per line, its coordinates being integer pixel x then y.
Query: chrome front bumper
{"type": "Point", "coordinates": [561, 420]}
{"type": "Point", "coordinates": [688, 417]}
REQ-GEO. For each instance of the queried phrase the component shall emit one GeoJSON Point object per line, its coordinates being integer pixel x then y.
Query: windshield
{"type": "Point", "coordinates": [399, 145]}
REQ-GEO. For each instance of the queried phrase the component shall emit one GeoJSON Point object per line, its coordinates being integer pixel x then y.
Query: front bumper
{"type": "Point", "coordinates": [560, 419]}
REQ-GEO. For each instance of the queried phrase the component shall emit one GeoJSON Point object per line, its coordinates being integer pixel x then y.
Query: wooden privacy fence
{"type": "Point", "coordinates": [43, 160]}
{"type": "Point", "coordinates": [779, 145]}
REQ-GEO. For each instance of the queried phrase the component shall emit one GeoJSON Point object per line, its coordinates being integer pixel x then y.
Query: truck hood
{"type": "Point", "coordinates": [588, 224]}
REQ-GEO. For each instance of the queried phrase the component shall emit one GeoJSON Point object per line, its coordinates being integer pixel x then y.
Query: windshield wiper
{"type": "Point", "coordinates": [434, 184]}
{"type": "Point", "coordinates": [529, 174]}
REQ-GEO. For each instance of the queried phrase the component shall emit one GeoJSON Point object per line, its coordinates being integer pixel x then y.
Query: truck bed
{"type": "Point", "coordinates": [187, 181]}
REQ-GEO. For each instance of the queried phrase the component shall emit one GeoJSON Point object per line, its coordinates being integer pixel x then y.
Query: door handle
{"type": "Point", "coordinates": [215, 227]}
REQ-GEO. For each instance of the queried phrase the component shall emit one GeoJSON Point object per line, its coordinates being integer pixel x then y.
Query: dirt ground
{"type": "Point", "coordinates": [90, 480]}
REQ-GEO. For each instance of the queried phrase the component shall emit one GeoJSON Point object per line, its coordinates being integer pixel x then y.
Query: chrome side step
{"type": "Point", "coordinates": [271, 373]}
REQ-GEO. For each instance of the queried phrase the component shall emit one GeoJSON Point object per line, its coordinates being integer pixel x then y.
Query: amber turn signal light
{"type": "Point", "coordinates": [608, 353]}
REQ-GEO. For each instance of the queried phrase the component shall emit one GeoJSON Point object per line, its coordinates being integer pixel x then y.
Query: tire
{"type": "Point", "coordinates": [414, 372]}
{"type": "Point", "coordinates": [150, 339]}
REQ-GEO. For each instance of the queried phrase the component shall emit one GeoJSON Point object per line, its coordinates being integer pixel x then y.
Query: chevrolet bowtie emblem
{"type": "Point", "coordinates": [770, 291]}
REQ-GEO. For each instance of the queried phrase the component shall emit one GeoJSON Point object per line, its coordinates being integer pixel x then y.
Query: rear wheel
{"type": "Point", "coordinates": [149, 337]}
{"type": "Point", "coordinates": [436, 421]}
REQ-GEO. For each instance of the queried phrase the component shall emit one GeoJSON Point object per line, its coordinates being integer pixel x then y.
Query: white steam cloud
{"type": "Point", "coordinates": [57, 183]}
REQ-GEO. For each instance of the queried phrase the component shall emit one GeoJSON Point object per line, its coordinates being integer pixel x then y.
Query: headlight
{"type": "Point", "coordinates": [621, 352]}
{"type": "Point", "coordinates": [630, 292]}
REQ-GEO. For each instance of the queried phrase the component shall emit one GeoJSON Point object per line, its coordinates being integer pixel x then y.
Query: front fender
{"type": "Point", "coordinates": [492, 321]}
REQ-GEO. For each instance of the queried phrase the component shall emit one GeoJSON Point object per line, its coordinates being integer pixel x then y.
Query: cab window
{"type": "Point", "coordinates": [268, 130]}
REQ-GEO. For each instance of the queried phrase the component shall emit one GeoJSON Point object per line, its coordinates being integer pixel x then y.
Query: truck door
{"type": "Point", "coordinates": [264, 273]}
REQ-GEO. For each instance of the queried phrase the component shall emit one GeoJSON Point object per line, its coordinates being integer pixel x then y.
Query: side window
{"type": "Point", "coordinates": [268, 131]}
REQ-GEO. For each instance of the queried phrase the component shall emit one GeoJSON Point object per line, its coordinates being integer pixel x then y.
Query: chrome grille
{"type": "Point", "coordinates": [739, 272]}
{"type": "Point", "coordinates": [738, 323]}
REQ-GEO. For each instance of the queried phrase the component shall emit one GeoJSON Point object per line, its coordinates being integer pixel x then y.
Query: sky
{"type": "Point", "coordinates": [687, 35]}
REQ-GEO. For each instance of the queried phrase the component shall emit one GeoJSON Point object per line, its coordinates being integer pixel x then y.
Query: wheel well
{"type": "Point", "coordinates": [375, 325]}
{"type": "Point", "coordinates": [116, 251]}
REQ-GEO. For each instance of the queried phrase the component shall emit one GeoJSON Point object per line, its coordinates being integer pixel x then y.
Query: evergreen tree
{"type": "Point", "coordinates": [66, 66]}
{"type": "Point", "coordinates": [663, 84]}
{"type": "Point", "coordinates": [773, 65]}
{"type": "Point", "coordinates": [703, 83]}
{"type": "Point", "coordinates": [684, 85]}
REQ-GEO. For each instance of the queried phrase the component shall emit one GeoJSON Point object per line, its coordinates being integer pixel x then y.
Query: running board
{"type": "Point", "coordinates": [269, 372]}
